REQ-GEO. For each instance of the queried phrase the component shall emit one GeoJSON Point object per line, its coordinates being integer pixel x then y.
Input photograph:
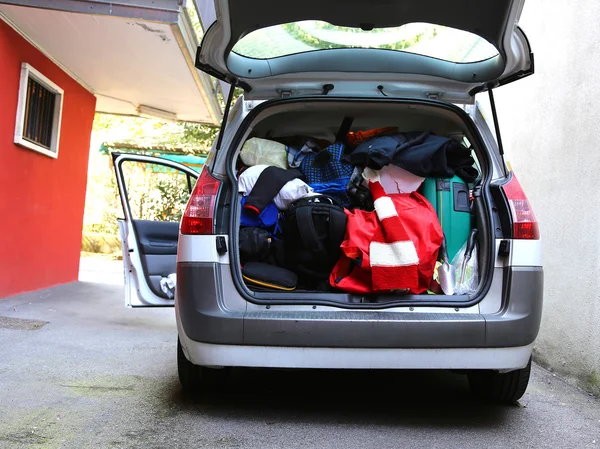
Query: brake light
{"type": "Point", "coordinates": [199, 212]}
{"type": "Point", "coordinates": [525, 225]}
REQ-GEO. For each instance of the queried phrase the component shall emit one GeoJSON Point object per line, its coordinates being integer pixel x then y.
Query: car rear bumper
{"type": "Point", "coordinates": [215, 355]}
{"type": "Point", "coordinates": [205, 315]}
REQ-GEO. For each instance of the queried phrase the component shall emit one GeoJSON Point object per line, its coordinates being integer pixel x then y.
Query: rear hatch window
{"type": "Point", "coordinates": [436, 41]}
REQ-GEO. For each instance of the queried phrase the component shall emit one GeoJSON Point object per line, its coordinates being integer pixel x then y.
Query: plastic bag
{"type": "Point", "coordinates": [467, 282]}
{"type": "Point", "coordinates": [167, 285]}
{"type": "Point", "coordinates": [258, 151]}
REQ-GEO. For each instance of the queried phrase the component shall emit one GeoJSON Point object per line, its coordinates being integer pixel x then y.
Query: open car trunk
{"type": "Point", "coordinates": [320, 118]}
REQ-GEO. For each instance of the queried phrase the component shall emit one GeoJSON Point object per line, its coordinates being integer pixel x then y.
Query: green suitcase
{"type": "Point", "coordinates": [450, 199]}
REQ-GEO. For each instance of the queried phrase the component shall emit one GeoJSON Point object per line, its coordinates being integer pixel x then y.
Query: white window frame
{"type": "Point", "coordinates": [27, 71]}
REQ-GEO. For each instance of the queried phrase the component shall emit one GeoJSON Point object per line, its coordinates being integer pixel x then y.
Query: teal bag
{"type": "Point", "coordinates": [450, 199]}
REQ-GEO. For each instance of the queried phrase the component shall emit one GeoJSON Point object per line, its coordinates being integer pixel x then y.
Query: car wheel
{"type": "Point", "coordinates": [194, 378]}
{"type": "Point", "coordinates": [500, 388]}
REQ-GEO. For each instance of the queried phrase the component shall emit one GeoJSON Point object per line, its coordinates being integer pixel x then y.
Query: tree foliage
{"type": "Point", "coordinates": [298, 33]}
{"type": "Point", "coordinates": [153, 194]}
{"type": "Point", "coordinates": [192, 138]}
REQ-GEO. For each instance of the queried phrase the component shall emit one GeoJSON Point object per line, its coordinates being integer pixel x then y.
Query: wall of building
{"type": "Point", "coordinates": [550, 127]}
{"type": "Point", "coordinates": [41, 198]}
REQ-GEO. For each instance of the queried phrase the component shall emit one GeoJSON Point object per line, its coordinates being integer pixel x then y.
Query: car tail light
{"type": "Point", "coordinates": [198, 216]}
{"type": "Point", "coordinates": [525, 225]}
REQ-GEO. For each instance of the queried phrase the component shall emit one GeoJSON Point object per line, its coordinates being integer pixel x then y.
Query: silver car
{"type": "Point", "coordinates": [303, 67]}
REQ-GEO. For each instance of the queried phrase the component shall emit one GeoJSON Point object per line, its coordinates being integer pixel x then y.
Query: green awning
{"type": "Point", "coordinates": [186, 159]}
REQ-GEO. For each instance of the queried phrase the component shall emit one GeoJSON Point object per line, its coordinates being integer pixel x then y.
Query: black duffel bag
{"type": "Point", "coordinates": [313, 230]}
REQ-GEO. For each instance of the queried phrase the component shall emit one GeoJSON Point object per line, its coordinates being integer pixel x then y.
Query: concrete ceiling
{"type": "Point", "coordinates": [125, 62]}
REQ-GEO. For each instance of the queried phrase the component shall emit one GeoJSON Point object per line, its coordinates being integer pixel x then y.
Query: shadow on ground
{"type": "Point", "coordinates": [409, 398]}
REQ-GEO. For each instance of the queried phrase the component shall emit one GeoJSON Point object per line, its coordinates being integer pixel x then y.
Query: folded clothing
{"type": "Point", "coordinates": [265, 184]}
{"type": "Point", "coordinates": [268, 185]}
{"type": "Point", "coordinates": [248, 177]}
{"type": "Point", "coordinates": [421, 153]}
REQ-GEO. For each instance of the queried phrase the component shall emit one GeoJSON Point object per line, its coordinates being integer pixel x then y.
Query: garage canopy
{"type": "Point", "coordinates": [136, 56]}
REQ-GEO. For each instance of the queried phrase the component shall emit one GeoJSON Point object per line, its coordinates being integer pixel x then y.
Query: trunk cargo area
{"type": "Point", "coordinates": [284, 146]}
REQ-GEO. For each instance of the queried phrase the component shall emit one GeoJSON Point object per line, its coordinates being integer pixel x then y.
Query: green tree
{"type": "Point", "coordinates": [191, 138]}
{"type": "Point", "coordinates": [298, 33]}
{"type": "Point", "coordinates": [170, 202]}
{"type": "Point", "coordinates": [153, 195]}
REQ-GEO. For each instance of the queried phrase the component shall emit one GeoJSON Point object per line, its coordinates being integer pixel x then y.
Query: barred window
{"type": "Point", "coordinates": [38, 112]}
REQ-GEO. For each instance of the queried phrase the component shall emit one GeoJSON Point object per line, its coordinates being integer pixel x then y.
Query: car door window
{"type": "Point", "coordinates": [156, 192]}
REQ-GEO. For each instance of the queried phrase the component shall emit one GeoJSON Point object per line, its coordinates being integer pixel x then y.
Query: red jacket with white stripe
{"type": "Point", "coordinates": [392, 249]}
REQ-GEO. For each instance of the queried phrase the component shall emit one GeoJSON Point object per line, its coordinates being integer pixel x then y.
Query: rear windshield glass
{"type": "Point", "coordinates": [425, 39]}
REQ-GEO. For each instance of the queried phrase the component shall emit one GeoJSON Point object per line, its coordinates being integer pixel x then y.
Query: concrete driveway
{"type": "Point", "coordinates": [86, 372]}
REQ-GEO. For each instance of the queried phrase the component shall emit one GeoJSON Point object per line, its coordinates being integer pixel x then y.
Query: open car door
{"type": "Point", "coordinates": [154, 193]}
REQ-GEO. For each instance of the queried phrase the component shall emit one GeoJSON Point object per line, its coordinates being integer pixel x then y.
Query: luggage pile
{"type": "Point", "coordinates": [376, 211]}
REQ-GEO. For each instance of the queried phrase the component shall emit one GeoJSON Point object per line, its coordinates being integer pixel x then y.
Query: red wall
{"type": "Point", "coordinates": [41, 198]}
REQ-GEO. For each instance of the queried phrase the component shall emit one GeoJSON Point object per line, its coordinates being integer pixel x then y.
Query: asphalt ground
{"type": "Point", "coordinates": [79, 370]}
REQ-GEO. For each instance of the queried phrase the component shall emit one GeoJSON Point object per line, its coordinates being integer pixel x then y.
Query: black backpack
{"type": "Point", "coordinates": [255, 244]}
{"type": "Point", "coordinates": [313, 230]}
{"type": "Point", "coordinates": [259, 245]}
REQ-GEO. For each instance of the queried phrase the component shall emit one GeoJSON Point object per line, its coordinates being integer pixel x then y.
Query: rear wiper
{"type": "Point", "coordinates": [327, 88]}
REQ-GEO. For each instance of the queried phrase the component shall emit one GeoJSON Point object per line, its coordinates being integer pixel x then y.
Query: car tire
{"type": "Point", "coordinates": [194, 378]}
{"type": "Point", "coordinates": [500, 388]}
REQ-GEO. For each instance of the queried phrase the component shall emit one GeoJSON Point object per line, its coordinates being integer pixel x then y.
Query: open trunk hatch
{"type": "Point", "coordinates": [412, 48]}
